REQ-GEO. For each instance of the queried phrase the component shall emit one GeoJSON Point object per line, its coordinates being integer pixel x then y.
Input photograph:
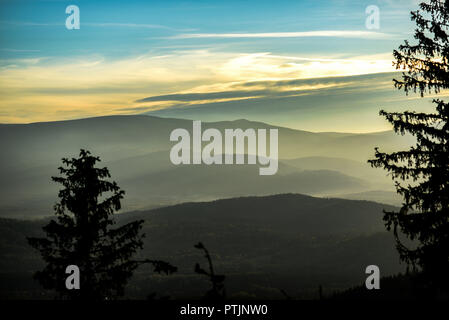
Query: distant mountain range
{"type": "Point", "coordinates": [136, 150]}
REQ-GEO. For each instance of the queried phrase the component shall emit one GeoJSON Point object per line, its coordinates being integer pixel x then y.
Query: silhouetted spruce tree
{"type": "Point", "coordinates": [82, 235]}
{"type": "Point", "coordinates": [421, 174]}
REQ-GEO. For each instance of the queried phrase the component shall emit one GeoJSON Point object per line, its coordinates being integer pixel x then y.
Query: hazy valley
{"type": "Point", "coordinates": [136, 150]}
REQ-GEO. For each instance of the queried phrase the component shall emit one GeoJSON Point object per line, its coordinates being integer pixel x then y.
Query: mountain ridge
{"type": "Point", "coordinates": [142, 116]}
{"type": "Point", "coordinates": [295, 240]}
{"type": "Point", "coordinates": [138, 146]}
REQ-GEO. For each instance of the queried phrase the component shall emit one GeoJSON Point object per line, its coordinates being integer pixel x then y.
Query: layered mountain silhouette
{"type": "Point", "coordinates": [136, 150]}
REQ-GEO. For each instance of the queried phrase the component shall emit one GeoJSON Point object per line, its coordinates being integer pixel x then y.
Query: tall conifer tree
{"type": "Point", "coordinates": [421, 174]}
{"type": "Point", "coordinates": [82, 234]}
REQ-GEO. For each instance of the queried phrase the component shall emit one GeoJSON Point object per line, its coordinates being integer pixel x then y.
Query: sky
{"type": "Point", "coordinates": [310, 65]}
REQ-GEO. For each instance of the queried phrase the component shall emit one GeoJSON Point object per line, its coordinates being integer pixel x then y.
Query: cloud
{"type": "Point", "coordinates": [304, 34]}
{"type": "Point", "coordinates": [29, 23]}
{"type": "Point", "coordinates": [132, 25]}
{"type": "Point", "coordinates": [94, 24]}
{"type": "Point", "coordinates": [271, 67]}
{"type": "Point", "coordinates": [202, 96]}
{"type": "Point", "coordinates": [268, 89]}
{"type": "Point", "coordinates": [125, 25]}
{"type": "Point", "coordinates": [346, 104]}
{"type": "Point", "coordinates": [251, 90]}
{"type": "Point", "coordinates": [18, 50]}
{"type": "Point", "coordinates": [94, 85]}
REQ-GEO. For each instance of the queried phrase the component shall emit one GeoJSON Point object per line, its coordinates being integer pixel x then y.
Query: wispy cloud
{"type": "Point", "coordinates": [305, 34]}
{"type": "Point", "coordinates": [96, 25]}
{"type": "Point", "coordinates": [258, 90]}
{"type": "Point", "coordinates": [348, 103]}
{"type": "Point", "coordinates": [95, 85]}
{"type": "Point", "coordinates": [18, 50]}
{"type": "Point", "coordinates": [29, 23]}
{"type": "Point", "coordinates": [125, 25]}
{"type": "Point", "coordinates": [134, 25]}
